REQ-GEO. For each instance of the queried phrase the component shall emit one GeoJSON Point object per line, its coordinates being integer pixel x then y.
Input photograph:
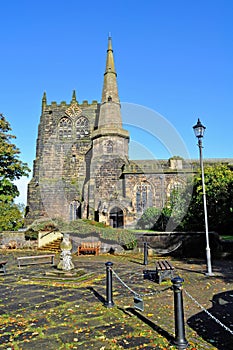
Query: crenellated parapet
{"type": "Point", "coordinates": [64, 104]}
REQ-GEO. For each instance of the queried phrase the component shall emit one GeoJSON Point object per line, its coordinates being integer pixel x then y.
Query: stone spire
{"type": "Point", "coordinates": [110, 91]}
{"type": "Point", "coordinates": [110, 121]}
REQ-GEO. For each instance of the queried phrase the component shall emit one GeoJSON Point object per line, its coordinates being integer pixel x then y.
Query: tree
{"type": "Point", "coordinates": [157, 219]}
{"type": "Point", "coordinates": [219, 195]}
{"type": "Point", "coordinates": [11, 217]}
{"type": "Point", "coordinates": [11, 168]}
{"type": "Point", "coordinates": [148, 218]}
{"type": "Point", "coordinates": [185, 212]}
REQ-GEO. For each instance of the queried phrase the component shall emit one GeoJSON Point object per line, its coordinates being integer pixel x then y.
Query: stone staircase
{"type": "Point", "coordinates": [53, 246]}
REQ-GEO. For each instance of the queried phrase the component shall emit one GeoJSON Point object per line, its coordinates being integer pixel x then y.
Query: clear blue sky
{"type": "Point", "coordinates": [172, 56]}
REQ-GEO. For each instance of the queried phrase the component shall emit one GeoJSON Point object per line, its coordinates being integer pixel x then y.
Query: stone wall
{"type": "Point", "coordinates": [107, 246]}
{"type": "Point", "coordinates": [181, 244]}
{"type": "Point", "coordinates": [13, 240]}
{"type": "Point", "coordinates": [62, 163]}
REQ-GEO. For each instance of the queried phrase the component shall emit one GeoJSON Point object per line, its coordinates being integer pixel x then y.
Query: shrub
{"type": "Point", "coordinates": [148, 218]}
{"type": "Point", "coordinates": [125, 238]}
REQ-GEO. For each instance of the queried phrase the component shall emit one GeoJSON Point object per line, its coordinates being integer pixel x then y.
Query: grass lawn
{"type": "Point", "coordinates": [227, 238]}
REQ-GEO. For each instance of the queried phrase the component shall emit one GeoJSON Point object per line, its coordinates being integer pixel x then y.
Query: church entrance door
{"type": "Point", "coordinates": [117, 217]}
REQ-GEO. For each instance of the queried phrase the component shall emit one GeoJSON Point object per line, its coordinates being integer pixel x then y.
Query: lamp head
{"type": "Point", "coordinates": [199, 129]}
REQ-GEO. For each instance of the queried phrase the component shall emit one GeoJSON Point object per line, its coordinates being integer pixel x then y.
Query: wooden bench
{"type": "Point", "coordinates": [33, 260]}
{"type": "Point", "coordinates": [150, 275]}
{"type": "Point", "coordinates": [3, 266]}
{"type": "Point", "coordinates": [164, 269]}
{"type": "Point", "coordinates": [89, 248]}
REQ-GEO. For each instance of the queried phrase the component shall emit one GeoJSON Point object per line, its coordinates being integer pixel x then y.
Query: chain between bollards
{"type": "Point", "coordinates": [180, 340]}
{"type": "Point", "coordinates": [109, 301]}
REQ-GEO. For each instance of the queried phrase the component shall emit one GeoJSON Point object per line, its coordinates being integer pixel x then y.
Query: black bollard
{"type": "Point", "coordinates": [109, 302]}
{"type": "Point", "coordinates": [180, 340]}
{"type": "Point", "coordinates": [145, 250]}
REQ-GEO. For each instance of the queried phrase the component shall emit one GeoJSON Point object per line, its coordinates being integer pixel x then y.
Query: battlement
{"type": "Point", "coordinates": [64, 104]}
{"type": "Point", "coordinates": [83, 104]}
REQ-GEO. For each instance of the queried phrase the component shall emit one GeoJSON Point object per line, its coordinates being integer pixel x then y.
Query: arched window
{"type": "Point", "coordinates": [173, 191]}
{"type": "Point", "coordinates": [108, 146]}
{"type": "Point", "coordinates": [65, 128]}
{"type": "Point", "coordinates": [144, 196]}
{"type": "Point", "coordinates": [82, 128]}
{"type": "Point", "coordinates": [75, 210]}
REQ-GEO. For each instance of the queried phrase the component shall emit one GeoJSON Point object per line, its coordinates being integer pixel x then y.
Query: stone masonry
{"type": "Point", "coordinates": [82, 168]}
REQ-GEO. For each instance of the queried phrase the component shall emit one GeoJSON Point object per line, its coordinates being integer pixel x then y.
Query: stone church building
{"type": "Point", "coordinates": [82, 168]}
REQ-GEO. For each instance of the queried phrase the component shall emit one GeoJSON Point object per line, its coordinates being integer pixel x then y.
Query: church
{"type": "Point", "coordinates": [82, 167]}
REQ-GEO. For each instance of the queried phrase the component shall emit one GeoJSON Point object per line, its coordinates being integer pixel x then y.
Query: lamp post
{"type": "Point", "coordinates": [199, 130]}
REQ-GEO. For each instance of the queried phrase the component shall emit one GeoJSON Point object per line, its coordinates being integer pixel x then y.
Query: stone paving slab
{"type": "Point", "coordinates": [42, 313]}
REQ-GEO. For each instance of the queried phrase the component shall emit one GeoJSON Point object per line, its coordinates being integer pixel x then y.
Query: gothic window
{"type": "Point", "coordinates": [174, 189]}
{"type": "Point", "coordinates": [144, 197]}
{"type": "Point", "coordinates": [108, 146]}
{"type": "Point", "coordinates": [82, 127]}
{"type": "Point", "coordinates": [65, 128]}
{"type": "Point", "coordinates": [75, 210]}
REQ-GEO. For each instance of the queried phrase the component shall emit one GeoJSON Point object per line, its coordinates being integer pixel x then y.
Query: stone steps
{"type": "Point", "coordinates": [53, 246]}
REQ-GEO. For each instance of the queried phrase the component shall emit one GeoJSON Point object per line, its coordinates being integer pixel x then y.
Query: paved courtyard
{"type": "Point", "coordinates": [41, 311]}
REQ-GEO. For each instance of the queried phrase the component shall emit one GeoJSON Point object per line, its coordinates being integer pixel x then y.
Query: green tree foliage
{"type": "Point", "coordinates": [219, 196]}
{"type": "Point", "coordinates": [169, 217]}
{"type": "Point", "coordinates": [148, 218]}
{"type": "Point", "coordinates": [11, 217]}
{"type": "Point", "coordinates": [156, 219]}
{"type": "Point", "coordinates": [184, 211]}
{"type": "Point", "coordinates": [177, 206]}
{"type": "Point", "coordinates": [11, 168]}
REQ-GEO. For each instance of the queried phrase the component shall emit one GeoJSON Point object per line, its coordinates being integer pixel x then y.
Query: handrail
{"type": "Point", "coordinates": [48, 237]}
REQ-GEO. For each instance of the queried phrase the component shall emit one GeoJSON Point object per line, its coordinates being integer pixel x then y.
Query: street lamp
{"type": "Point", "coordinates": [199, 130]}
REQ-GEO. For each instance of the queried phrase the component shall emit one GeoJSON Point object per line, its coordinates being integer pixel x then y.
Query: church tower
{"type": "Point", "coordinates": [81, 149]}
{"type": "Point", "coordinates": [109, 152]}
{"type": "Point", "coordinates": [82, 170]}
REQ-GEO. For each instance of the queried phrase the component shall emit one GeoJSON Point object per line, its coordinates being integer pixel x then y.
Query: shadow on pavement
{"type": "Point", "coordinates": [210, 330]}
{"type": "Point", "coordinates": [151, 324]}
{"type": "Point", "coordinates": [200, 272]}
{"type": "Point", "coordinates": [136, 262]}
{"type": "Point", "coordinates": [97, 295]}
